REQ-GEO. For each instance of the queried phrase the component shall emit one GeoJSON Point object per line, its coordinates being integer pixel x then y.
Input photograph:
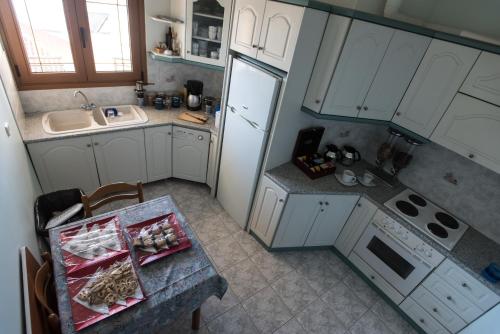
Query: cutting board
{"type": "Point", "coordinates": [193, 117]}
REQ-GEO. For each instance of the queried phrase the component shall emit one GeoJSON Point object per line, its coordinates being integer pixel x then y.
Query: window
{"type": "Point", "coordinates": [77, 43]}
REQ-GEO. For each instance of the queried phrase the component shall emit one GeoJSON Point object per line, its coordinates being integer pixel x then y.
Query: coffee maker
{"type": "Point", "coordinates": [194, 90]}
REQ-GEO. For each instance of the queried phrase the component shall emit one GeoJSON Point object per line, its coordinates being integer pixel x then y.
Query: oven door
{"type": "Point", "coordinates": [395, 262]}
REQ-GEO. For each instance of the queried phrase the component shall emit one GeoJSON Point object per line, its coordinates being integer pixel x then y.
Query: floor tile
{"type": "Point", "coordinates": [213, 306]}
{"type": "Point", "coordinates": [318, 318]}
{"type": "Point", "coordinates": [226, 252]}
{"type": "Point", "coordinates": [236, 320]}
{"type": "Point", "coordinates": [210, 229]}
{"type": "Point", "coordinates": [291, 327]}
{"type": "Point", "coordinates": [295, 292]}
{"type": "Point", "coordinates": [267, 310]}
{"type": "Point", "coordinates": [369, 323]}
{"type": "Point", "coordinates": [345, 304]}
{"type": "Point", "coordinates": [248, 243]}
{"type": "Point", "coordinates": [182, 325]}
{"type": "Point", "coordinates": [271, 266]}
{"type": "Point", "coordinates": [245, 279]}
{"type": "Point", "coordinates": [366, 293]}
{"type": "Point", "coordinates": [322, 276]}
{"type": "Point", "coordinates": [231, 225]}
{"type": "Point", "coordinates": [392, 318]}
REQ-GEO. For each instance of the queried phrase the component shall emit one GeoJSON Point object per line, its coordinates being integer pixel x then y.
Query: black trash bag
{"type": "Point", "coordinates": [58, 201]}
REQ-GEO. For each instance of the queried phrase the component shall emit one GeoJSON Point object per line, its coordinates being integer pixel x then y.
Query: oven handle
{"type": "Point", "coordinates": [400, 244]}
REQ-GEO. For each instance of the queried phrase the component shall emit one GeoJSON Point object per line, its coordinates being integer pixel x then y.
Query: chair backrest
{"type": "Point", "coordinates": [33, 316]}
{"type": "Point", "coordinates": [110, 193]}
{"type": "Point", "coordinates": [45, 295]}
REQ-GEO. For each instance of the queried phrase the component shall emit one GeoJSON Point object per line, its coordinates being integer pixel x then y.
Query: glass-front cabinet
{"type": "Point", "coordinates": [207, 30]}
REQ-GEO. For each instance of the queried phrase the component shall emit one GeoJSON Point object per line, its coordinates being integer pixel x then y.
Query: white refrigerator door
{"type": "Point", "coordinates": [239, 167]}
{"type": "Point", "coordinates": [253, 92]}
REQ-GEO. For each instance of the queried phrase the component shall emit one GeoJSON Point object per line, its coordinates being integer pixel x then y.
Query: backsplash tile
{"type": "Point", "coordinates": [165, 76]}
{"type": "Point", "coordinates": [475, 198]}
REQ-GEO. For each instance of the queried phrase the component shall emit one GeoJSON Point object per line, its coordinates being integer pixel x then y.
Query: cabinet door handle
{"type": "Point", "coordinates": [365, 108]}
{"type": "Point", "coordinates": [398, 113]}
{"type": "Point", "coordinates": [326, 203]}
{"type": "Point", "coordinates": [254, 45]}
{"type": "Point", "coordinates": [359, 205]}
{"type": "Point", "coordinates": [471, 156]}
{"type": "Point", "coordinates": [372, 277]}
{"type": "Point", "coordinates": [317, 101]}
{"type": "Point", "coordinates": [96, 143]}
{"type": "Point", "coordinates": [464, 285]}
{"type": "Point", "coordinates": [89, 145]}
{"type": "Point", "coordinates": [280, 200]}
{"type": "Point", "coordinates": [200, 137]}
{"type": "Point", "coordinates": [260, 48]}
{"type": "Point", "coordinates": [449, 298]}
{"type": "Point", "coordinates": [358, 107]}
{"type": "Point", "coordinates": [187, 51]}
{"type": "Point", "coordinates": [435, 310]}
{"type": "Point", "coordinates": [320, 203]}
{"type": "Point", "coordinates": [422, 320]}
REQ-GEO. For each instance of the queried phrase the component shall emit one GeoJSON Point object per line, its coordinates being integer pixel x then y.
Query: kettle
{"type": "Point", "coordinates": [193, 102]}
{"type": "Point", "coordinates": [349, 155]}
{"type": "Point", "coordinates": [194, 93]}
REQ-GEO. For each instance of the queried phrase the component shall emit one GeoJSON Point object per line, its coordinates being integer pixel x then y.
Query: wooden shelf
{"type": "Point", "coordinates": [179, 59]}
{"type": "Point", "coordinates": [165, 19]}
{"type": "Point", "coordinates": [207, 39]}
{"type": "Point", "coordinates": [162, 57]}
{"type": "Point", "coordinates": [210, 16]}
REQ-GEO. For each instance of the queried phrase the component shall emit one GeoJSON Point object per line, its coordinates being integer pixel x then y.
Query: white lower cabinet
{"type": "Point", "coordinates": [64, 164]}
{"type": "Point", "coordinates": [120, 156]}
{"type": "Point", "coordinates": [190, 154]}
{"type": "Point", "coordinates": [159, 152]}
{"type": "Point", "coordinates": [313, 220]}
{"type": "Point", "coordinates": [438, 310]}
{"type": "Point", "coordinates": [212, 162]}
{"type": "Point", "coordinates": [269, 202]}
{"type": "Point", "coordinates": [421, 317]}
{"type": "Point", "coordinates": [355, 226]}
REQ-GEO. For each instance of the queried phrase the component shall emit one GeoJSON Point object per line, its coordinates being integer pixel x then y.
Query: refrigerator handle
{"type": "Point", "coordinates": [252, 124]}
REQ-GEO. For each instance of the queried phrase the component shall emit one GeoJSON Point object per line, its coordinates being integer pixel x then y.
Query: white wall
{"type": "Point", "coordinates": [18, 189]}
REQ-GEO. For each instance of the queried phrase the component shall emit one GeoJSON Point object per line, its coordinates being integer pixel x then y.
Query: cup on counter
{"type": "Point", "coordinates": [348, 176]}
{"type": "Point", "coordinates": [367, 178]}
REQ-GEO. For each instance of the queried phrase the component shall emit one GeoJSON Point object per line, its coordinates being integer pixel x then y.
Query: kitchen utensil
{"type": "Point", "coordinates": [401, 159]}
{"type": "Point", "coordinates": [348, 176]}
{"type": "Point", "coordinates": [349, 156]}
{"type": "Point", "coordinates": [194, 92]}
{"type": "Point", "coordinates": [212, 32]}
{"type": "Point", "coordinates": [333, 153]}
{"type": "Point", "coordinates": [367, 179]}
{"type": "Point", "coordinates": [186, 117]}
{"type": "Point", "coordinates": [339, 178]}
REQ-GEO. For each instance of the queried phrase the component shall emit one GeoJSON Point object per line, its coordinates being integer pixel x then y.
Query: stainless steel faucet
{"type": "Point", "coordinates": [86, 105]}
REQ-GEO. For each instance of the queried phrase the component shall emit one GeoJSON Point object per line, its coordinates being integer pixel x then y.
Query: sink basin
{"type": "Point", "coordinates": [68, 121]}
{"type": "Point", "coordinates": [58, 122]}
{"type": "Point", "coordinates": [127, 114]}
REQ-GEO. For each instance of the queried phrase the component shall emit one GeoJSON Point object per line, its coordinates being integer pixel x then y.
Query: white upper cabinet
{"type": "Point", "coordinates": [190, 154]}
{"type": "Point", "coordinates": [363, 51]}
{"type": "Point", "coordinates": [247, 22]}
{"type": "Point", "coordinates": [266, 30]}
{"type": "Point", "coordinates": [400, 63]}
{"type": "Point", "coordinates": [207, 30]}
{"type": "Point", "coordinates": [278, 37]}
{"type": "Point", "coordinates": [471, 128]}
{"type": "Point", "coordinates": [159, 152]}
{"type": "Point", "coordinates": [328, 55]}
{"type": "Point", "coordinates": [440, 74]}
{"type": "Point", "coordinates": [483, 80]}
{"type": "Point", "coordinates": [269, 202]}
{"type": "Point", "coordinates": [66, 163]}
{"type": "Point", "coordinates": [120, 156]}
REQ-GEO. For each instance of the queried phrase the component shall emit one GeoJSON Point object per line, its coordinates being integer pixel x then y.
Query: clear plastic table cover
{"type": "Point", "coordinates": [171, 285]}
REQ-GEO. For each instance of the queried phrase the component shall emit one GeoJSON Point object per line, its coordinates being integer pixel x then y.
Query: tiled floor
{"type": "Point", "coordinates": [286, 292]}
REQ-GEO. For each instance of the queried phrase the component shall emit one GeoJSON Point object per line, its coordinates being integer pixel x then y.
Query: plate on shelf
{"type": "Point", "coordinates": [339, 178]}
{"type": "Point", "coordinates": [89, 243]}
{"type": "Point", "coordinates": [154, 238]}
{"type": "Point", "coordinates": [121, 290]}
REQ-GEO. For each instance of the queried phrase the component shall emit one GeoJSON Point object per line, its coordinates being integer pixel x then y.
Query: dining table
{"type": "Point", "coordinates": [173, 285]}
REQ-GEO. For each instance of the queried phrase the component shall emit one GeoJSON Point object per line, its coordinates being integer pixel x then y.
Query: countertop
{"type": "Point", "coordinates": [472, 253]}
{"type": "Point", "coordinates": [32, 130]}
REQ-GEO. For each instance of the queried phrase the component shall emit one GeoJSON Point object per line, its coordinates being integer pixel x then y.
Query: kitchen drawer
{"type": "Point", "coordinates": [470, 287]}
{"type": "Point", "coordinates": [452, 298]}
{"type": "Point", "coordinates": [438, 309]}
{"type": "Point", "coordinates": [382, 284]}
{"type": "Point", "coordinates": [421, 317]}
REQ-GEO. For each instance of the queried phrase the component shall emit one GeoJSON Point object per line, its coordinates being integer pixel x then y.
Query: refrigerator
{"type": "Point", "coordinates": [251, 101]}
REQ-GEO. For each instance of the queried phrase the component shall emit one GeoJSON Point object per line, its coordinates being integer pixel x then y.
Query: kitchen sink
{"type": "Point", "coordinates": [58, 122]}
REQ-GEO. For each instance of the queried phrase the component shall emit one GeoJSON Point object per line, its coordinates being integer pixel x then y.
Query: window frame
{"type": "Point", "coordinates": [85, 74]}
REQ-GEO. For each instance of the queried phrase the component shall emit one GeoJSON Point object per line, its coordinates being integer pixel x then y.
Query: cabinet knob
{"type": "Point", "coordinates": [200, 137]}
{"type": "Point", "coordinates": [260, 48]}
{"type": "Point", "coordinates": [280, 200]}
{"type": "Point", "coordinates": [187, 51]}
{"type": "Point", "coordinates": [359, 205]}
{"type": "Point", "coordinates": [358, 107]}
{"type": "Point", "coordinates": [471, 155]}
{"type": "Point", "coordinates": [464, 285]}
{"type": "Point", "coordinates": [169, 133]}
{"type": "Point", "coordinates": [449, 297]}
{"type": "Point", "coordinates": [398, 113]}
{"type": "Point", "coordinates": [317, 101]}
{"type": "Point", "coordinates": [254, 45]}
{"type": "Point", "coordinates": [89, 145]}
{"type": "Point", "coordinates": [372, 277]}
{"type": "Point", "coordinates": [96, 143]}
{"type": "Point", "coordinates": [326, 203]}
{"type": "Point", "coordinates": [435, 310]}
{"type": "Point", "coordinates": [322, 210]}
{"type": "Point", "coordinates": [421, 320]}
{"type": "Point", "coordinates": [320, 203]}
{"type": "Point", "coordinates": [365, 108]}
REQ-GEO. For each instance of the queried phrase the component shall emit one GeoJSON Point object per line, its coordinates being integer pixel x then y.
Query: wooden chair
{"type": "Point", "coordinates": [40, 305]}
{"type": "Point", "coordinates": [110, 193]}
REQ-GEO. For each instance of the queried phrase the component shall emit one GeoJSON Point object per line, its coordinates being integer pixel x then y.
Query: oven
{"type": "Point", "coordinates": [390, 256]}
